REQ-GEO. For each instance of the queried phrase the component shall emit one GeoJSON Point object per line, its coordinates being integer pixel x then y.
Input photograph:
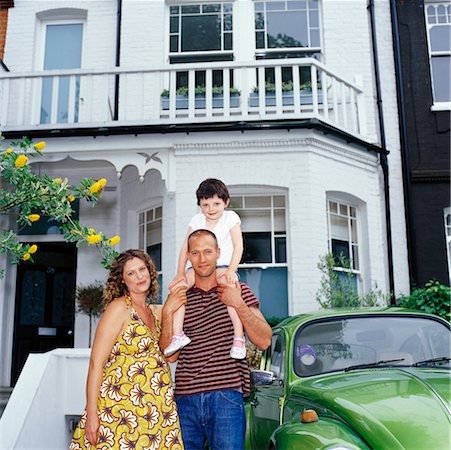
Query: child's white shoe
{"type": "Point", "coordinates": [237, 352]}
{"type": "Point", "coordinates": [177, 342]}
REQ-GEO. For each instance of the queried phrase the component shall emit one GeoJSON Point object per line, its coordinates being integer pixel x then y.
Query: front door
{"type": "Point", "coordinates": [45, 303]}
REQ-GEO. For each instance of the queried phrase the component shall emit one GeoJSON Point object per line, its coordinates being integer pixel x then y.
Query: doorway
{"type": "Point", "coordinates": [45, 303]}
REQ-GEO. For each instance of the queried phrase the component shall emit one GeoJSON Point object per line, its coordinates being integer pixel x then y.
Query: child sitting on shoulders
{"type": "Point", "coordinates": [213, 198]}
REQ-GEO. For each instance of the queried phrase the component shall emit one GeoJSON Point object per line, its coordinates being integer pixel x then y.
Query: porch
{"type": "Point", "coordinates": [181, 94]}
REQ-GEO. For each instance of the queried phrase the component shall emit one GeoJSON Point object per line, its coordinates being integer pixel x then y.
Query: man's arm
{"type": "Point", "coordinates": [255, 325]}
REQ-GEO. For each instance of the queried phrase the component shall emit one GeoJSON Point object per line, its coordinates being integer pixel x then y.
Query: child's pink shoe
{"type": "Point", "coordinates": [238, 351]}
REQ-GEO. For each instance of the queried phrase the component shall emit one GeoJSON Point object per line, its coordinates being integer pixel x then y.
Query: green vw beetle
{"type": "Point", "coordinates": [361, 379]}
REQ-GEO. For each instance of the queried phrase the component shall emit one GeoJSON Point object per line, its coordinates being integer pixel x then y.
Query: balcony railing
{"type": "Point", "coordinates": [181, 94]}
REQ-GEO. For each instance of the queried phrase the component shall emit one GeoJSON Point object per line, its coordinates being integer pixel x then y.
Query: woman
{"type": "Point", "coordinates": [130, 402]}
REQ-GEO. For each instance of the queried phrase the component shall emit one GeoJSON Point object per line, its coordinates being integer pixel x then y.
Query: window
{"type": "Point", "coordinates": [343, 237]}
{"type": "Point", "coordinates": [63, 50]}
{"type": "Point", "coordinates": [277, 364]}
{"type": "Point", "coordinates": [203, 29]}
{"type": "Point", "coordinates": [264, 263]}
{"type": "Point", "coordinates": [438, 23]}
{"type": "Point", "coordinates": [150, 236]}
{"type": "Point", "coordinates": [287, 25]}
{"type": "Point", "coordinates": [447, 214]}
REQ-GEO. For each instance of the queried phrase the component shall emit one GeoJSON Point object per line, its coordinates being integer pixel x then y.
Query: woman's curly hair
{"type": "Point", "coordinates": [115, 287]}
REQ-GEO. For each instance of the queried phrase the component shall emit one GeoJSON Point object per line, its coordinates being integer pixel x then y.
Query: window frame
{"type": "Point", "coordinates": [446, 214]}
{"type": "Point", "coordinates": [274, 235]}
{"type": "Point", "coordinates": [437, 105]}
{"type": "Point", "coordinates": [266, 50]}
{"type": "Point", "coordinates": [358, 245]}
{"type": "Point", "coordinates": [179, 53]}
{"type": "Point", "coordinates": [145, 212]}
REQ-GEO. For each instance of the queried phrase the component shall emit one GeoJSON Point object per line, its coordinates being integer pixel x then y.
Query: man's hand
{"type": "Point", "coordinates": [230, 294]}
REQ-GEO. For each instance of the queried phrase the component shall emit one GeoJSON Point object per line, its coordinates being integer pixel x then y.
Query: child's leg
{"type": "Point", "coordinates": [238, 350]}
{"type": "Point", "coordinates": [189, 274]}
{"type": "Point", "coordinates": [177, 321]}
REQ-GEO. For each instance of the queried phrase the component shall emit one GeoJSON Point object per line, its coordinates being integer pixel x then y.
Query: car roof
{"type": "Point", "coordinates": [295, 321]}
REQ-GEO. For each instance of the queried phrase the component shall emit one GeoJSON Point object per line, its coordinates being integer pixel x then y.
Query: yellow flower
{"type": "Point", "coordinates": [58, 180]}
{"type": "Point", "coordinates": [102, 182]}
{"type": "Point", "coordinates": [71, 198]}
{"type": "Point", "coordinates": [33, 217]}
{"type": "Point", "coordinates": [21, 161]}
{"type": "Point", "coordinates": [95, 188]}
{"type": "Point", "coordinates": [39, 145]}
{"type": "Point", "coordinates": [33, 249]}
{"type": "Point", "coordinates": [91, 230]}
{"type": "Point", "coordinates": [114, 240]}
{"type": "Point", "coordinates": [26, 257]}
{"type": "Point", "coordinates": [93, 238]}
{"type": "Point", "coordinates": [9, 150]}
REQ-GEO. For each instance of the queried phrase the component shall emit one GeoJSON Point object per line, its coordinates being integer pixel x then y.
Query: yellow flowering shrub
{"type": "Point", "coordinates": [32, 197]}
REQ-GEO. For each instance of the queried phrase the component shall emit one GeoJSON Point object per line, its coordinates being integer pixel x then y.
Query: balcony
{"type": "Point", "coordinates": [181, 94]}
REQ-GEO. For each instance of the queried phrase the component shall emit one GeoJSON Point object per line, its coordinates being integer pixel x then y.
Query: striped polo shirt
{"type": "Point", "coordinates": [205, 365]}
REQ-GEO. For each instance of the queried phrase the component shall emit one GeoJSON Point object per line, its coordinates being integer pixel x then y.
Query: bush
{"type": "Point", "coordinates": [337, 286]}
{"type": "Point", "coordinates": [434, 298]}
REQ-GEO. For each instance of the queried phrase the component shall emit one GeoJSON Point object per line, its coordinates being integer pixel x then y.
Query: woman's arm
{"type": "Point", "coordinates": [113, 321]}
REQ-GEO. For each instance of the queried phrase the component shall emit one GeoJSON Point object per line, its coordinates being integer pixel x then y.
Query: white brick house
{"type": "Point", "coordinates": [303, 165]}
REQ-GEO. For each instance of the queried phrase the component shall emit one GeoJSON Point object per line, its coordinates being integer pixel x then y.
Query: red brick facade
{"type": "Point", "coordinates": [4, 6]}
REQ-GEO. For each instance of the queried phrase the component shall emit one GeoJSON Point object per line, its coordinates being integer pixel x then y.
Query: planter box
{"type": "Point", "coordinates": [287, 98]}
{"type": "Point", "coordinates": [181, 102]}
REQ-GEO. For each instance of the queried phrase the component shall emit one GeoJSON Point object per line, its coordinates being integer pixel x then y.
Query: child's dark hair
{"type": "Point", "coordinates": [211, 187]}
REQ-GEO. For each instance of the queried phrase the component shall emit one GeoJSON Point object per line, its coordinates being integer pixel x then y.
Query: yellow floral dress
{"type": "Point", "coordinates": [136, 404]}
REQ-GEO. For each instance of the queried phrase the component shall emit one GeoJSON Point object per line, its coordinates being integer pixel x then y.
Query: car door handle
{"type": "Point", "coordinates": [254, 402]}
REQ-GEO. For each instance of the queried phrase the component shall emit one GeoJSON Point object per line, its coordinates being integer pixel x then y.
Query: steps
{"type": "Point", "coordinates": [5, 393]}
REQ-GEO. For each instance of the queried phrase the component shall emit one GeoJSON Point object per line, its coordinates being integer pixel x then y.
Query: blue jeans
{"type": "Point", "coordinates": [217, 417]}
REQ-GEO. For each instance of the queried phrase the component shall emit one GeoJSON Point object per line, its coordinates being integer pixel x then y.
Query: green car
{"type": "Point", "coordinates": [360, 379]}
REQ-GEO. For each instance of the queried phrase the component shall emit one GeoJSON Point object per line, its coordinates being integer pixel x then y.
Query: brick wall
{"type": "Point", "coordinates": [4, 6]}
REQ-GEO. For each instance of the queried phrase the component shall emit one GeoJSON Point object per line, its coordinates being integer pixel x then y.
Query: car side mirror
{"type": "Point", "coordinates": [262, 377]}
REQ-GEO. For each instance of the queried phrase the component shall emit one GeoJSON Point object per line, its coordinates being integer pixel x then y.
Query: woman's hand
{"type": "Point", "coordinates": [92, 428]}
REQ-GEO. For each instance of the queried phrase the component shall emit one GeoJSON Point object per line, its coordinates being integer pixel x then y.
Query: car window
{"type": "Point", "coordinates": [329, 345]}
{"type": "Point", "coordinates": [277, 359]}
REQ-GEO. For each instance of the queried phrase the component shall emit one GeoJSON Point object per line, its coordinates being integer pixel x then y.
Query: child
{"type": "Point", "coordinates": [213, 198]}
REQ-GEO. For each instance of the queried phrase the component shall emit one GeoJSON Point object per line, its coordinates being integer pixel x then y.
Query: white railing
{"type": "Point", "coordinates": [86, 98]}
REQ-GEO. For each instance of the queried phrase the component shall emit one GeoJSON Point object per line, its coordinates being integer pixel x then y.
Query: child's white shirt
{"type": "Point", "coordinates": [222, 231]}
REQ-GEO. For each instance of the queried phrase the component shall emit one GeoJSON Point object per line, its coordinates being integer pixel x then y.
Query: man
{"type": "Point", "coordinates": [210, 385]}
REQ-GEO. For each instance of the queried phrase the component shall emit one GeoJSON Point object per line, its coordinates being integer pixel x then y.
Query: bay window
{"type": "Point", "coordinates": [264, 263]}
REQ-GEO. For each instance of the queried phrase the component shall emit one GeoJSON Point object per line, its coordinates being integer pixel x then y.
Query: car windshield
{"type": "Point", "coordinates": [339, 344]}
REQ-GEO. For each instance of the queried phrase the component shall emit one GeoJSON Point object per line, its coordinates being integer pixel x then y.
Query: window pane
{"type": "Point", "coordinates": [211, 8]}
{"type": "Point", "coordinates": [260, 37]}
{"type": "Point", "coordinates": [228, 41]}
{"type": "Point", "coordinates": [340, 248]}
{"type": "Point", "coordinates": [281, 250]}
{"type": "Point", "coordinates": [33, 298]}
{"type": "Point", "coordinates": [279, 200]}
{"type": "Point", "coordinates": [257, 247]}
{"type": "Point", "coordinates": [296, 5]}
{"type": "Point", "coordinates": [173, 44]}
{"type": "Point", "coordinates": [191, 9]}
{"type": "Point", "coordinates": [287, 29]}
{"type": "Point", "coordinates": [441, 75]}
{"type": "Point", "coordinates": [339, 227]}
{"type": "Point", "coordinates": [236, 202]}
{"type": "Point", "coordinates": [440, 38]}
{"type": "Point", "coordinates": [344, 210]}
{"type": "Point", "coordinates": [174, 24]}
{"type": "Point", "coordinates": [255, 220]}
{"type": "Point", "coordinates": [270, 287]}
{"type": "Point", "coordinates": [154, 252]}
{"type": "Point", "coordinates": [158, 212]}
{"type": "Point", "coordinates": [201, 33]}
{"type": "Point", "coordinates": [141, 236]}
{"type": "Point", "coordinates": [355, 257]}
{"type": "Point", "coordinates": [258, 6]}
{"type": "Point", "coordinates": [279, 220]}
{"type": "Point", "coordinates": [258, 202]}
{"type": "Point", "coordinates": [354, 231]}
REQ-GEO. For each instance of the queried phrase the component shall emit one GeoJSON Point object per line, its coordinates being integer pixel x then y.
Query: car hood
{"type": "Point", "coordinates": [389, 407]}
